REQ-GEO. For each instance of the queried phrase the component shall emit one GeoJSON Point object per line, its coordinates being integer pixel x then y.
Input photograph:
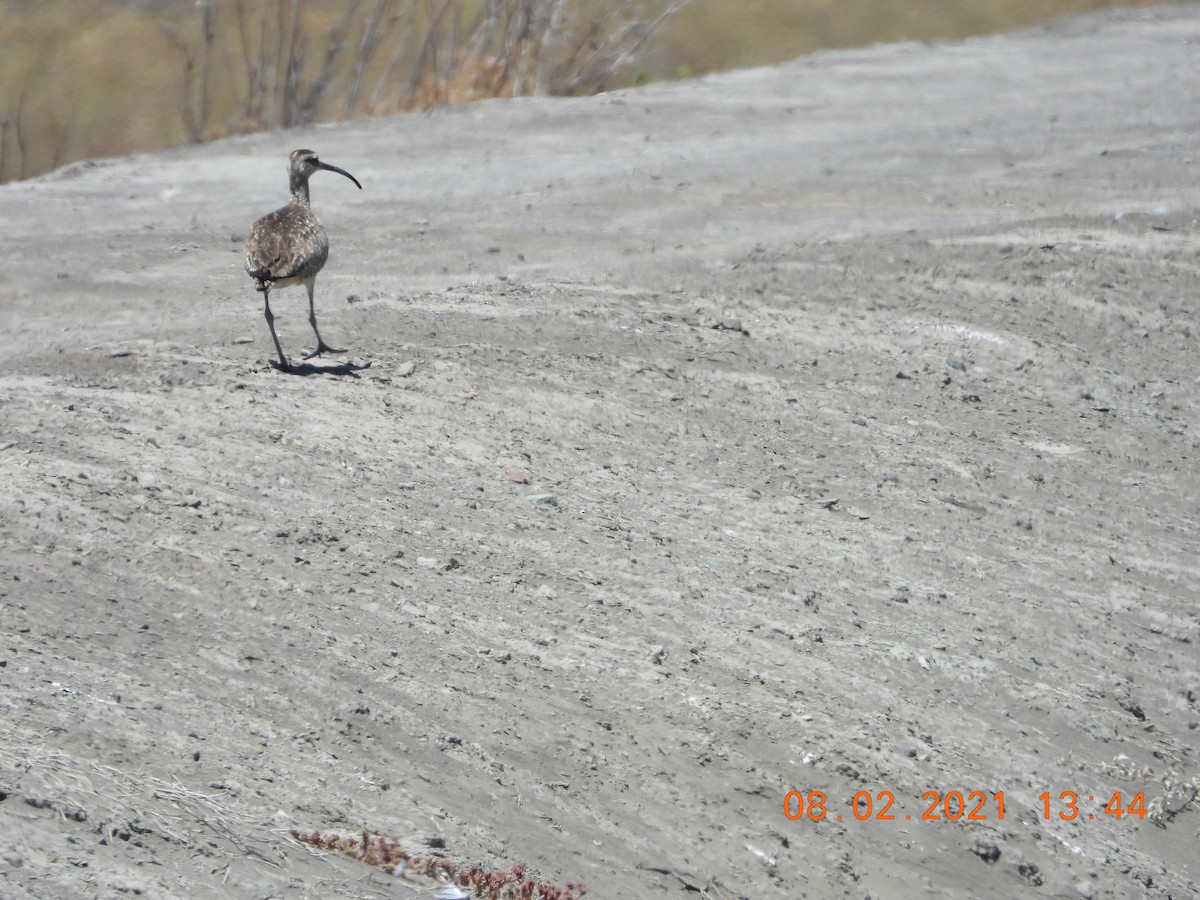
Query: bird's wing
{"type": "Point", "coordinates": [288, 243]}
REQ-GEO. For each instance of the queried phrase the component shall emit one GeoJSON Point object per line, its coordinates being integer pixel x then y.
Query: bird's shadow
{"type": "Point", "coordinates": [345, 369]}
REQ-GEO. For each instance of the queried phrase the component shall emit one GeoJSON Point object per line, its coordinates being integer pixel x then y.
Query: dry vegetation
{"type": "Point", "coordinates": [715, 35]}
{"type": "Point", "coordinates": [206, 70]}
{"type": "Point", "coordinates": [251, 65]}
{"type": "Point", "coordinates": [489, 884]}
{"type": "Point", "coordinates": [218, 67]}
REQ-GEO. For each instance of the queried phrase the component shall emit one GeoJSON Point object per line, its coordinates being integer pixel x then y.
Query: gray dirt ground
{"type": "Point", "coordinates": [927, 522]}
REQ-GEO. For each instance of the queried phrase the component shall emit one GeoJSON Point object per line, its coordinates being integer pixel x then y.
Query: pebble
{"type": "Point", "coordinates": [544, 499]}
{"type": "Point", "coordinates": [731, 324]}
{"type": "Point", "coordinates": [406, 369]}
{"type": "Point", "coordinates": [1030, 873]}
{"type": "Point", "coordinates": [955, 363]}
{"type": "Point", "coordinates": [986, 850]}
{"type": "Point", "coordinates": [516, 475]}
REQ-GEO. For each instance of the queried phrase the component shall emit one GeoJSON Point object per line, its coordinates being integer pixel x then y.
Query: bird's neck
{"type": "Point", "coordinates": [299, 186]}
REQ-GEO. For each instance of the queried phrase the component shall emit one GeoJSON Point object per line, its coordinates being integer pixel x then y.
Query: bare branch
{"type": "Point", "coordinates": [422, 52]}
{"type": "Point", "coordinates": [399, 50]}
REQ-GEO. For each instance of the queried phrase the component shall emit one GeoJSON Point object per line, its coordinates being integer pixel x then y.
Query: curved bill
{"type": "Point", "coordinates": [327, 166]}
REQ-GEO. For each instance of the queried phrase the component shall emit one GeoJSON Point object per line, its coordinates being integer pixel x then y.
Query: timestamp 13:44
{"type": "Point", "coordinates": [951, 806]}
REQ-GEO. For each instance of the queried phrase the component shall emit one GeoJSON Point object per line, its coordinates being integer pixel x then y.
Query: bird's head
{"type": "Point", "coordinates": [304, 162]}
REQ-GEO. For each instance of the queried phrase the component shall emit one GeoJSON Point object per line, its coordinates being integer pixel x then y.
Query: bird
{"type": "Point", "coordinates": [290, 246]}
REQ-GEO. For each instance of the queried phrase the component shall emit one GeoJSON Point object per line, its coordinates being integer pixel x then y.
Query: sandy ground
{"type": "Point", "coordinates": [829, 427]}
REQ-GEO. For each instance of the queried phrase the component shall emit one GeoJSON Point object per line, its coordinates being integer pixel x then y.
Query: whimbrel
{"type": "Point", "coordinates": [289, 246]}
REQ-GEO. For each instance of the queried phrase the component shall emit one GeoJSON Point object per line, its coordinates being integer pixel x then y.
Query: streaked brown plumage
{"type": "Point", "coordinates": [289, 246]}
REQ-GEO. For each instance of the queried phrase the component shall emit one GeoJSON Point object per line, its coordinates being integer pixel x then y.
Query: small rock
{"type": "Point", "coordinates": [859, 420]}
{"type": "Point", "coordinates": [1030, 873]}
{"type": "Point", "coordinates": [493, 249]}
{"type": "Point", "coordinates": [731, 324]}
{"type": "Point", "coordinates": [955, 363]}
{"type": "Point", "coordinates": [1085, 889]}
{"type": "Point", "coordinates": [544, 499]}
{"type": "Point", "coordinates": [406, 369]}
{"type": "Point", "coordinates": [1085, 394]}
{"type": "Point", "coordinates": [986, 850]}
{"type": "Point", "coordinates": [517, 476]}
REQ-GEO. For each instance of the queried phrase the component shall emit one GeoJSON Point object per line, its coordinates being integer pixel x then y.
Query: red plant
{"type": "Point", "coordinates": [492, 884]}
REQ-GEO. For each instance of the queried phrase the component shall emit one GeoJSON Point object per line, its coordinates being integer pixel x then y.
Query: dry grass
{"type": "Point", "coordinates": [105, 78]}
{"type": "Point", "coordinates": [119, 805]}
{"type": "Point", "coordinates": [716, 35]}
{"type": "Point", "coordinates": [108, 78]}
{"type": "Point", "coordinates": [221, 67]}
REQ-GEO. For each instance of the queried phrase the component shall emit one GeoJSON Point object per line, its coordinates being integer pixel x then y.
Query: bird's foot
{"type": "Point", "coordinates": [322, 347]}
{"type": "Point", "coordinates": [281, 364]}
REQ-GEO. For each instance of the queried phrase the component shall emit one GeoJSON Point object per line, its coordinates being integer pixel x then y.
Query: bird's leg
{"type": "Point", "coordinates": [322, 347]}
{"type": "Point", "coordinates": [283, 363]}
